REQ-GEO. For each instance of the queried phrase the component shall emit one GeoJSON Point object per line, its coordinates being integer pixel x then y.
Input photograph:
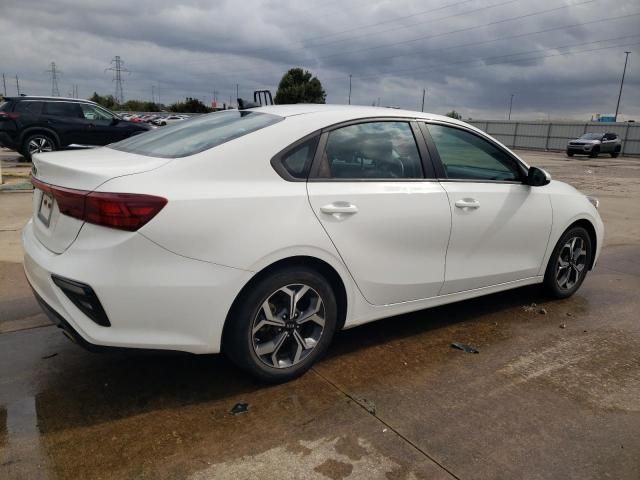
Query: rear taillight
{"type": "Point", "coordinates": [124, 211]}
{"type": "Point", "coordinates": [9, 115]}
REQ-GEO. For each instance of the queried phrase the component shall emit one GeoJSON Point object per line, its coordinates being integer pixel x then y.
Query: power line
{"type": "Point", "coordinates": [118, 69]}
{"type": "Point", "coordinates": [55, 92]}
{"type": "Point", "coordinates": [500, 57]}
{"type": "Point", "coordinates": [426, 37]}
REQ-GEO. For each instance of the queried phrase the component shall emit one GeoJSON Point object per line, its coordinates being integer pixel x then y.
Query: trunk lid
{"type": "Point", "coordinates": [83, 170]}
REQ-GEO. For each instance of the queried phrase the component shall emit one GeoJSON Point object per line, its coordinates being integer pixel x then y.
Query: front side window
{"type": "Point", "coordinates": [62, 109]}
{"type": "Point", "coordinates": [466, 156]}
{"type": "Point", "coordinates": [374, 150]}
{"type": "Point", "coordinates": [92, 112]}
{"type": "Point", "coordinates": [182, 139]}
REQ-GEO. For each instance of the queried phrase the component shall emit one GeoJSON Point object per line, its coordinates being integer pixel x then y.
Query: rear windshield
{"type": "Point", "coordinates": [197, 134]}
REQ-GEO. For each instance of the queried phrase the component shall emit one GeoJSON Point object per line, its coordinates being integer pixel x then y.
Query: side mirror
{"type": "Point", "coordinates": [538, 177]}
{"type": "Point", "coordinates": [115, 121]}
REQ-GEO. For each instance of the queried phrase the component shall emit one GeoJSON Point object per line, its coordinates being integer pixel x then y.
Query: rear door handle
{"type": "Point", "coordinates": [339, 208]}
{"type": "Point", "coordinates": [468, 203]}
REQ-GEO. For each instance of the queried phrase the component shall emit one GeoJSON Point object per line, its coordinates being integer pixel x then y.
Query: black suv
{"type": "Point", "coordinates": [42, 124]}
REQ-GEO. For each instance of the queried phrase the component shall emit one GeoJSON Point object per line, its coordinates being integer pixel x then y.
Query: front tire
{"type": "Point", "coordinates": [615, 154]}
{"type": "Point", "coordinates": [37, 143]}
{"type": "Point", "coordinates": [569, 154]}
{"type": "Point", "coordinates": [282, 324]}
{"type": "Point", "coordinates": [594, 152]}
{"type": "Point", "coordinates": [569, 263]}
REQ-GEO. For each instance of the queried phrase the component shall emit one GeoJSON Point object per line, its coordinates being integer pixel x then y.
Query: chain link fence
{"type": "Point", "coordinates": [555, 135]}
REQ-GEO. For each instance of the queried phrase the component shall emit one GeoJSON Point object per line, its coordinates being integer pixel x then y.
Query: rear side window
{"type": "Point", "coordinates": [29, 108]}
{"type": "Point", "coordinates": [196, 135]}
{"type": "Point", "coordinates": [62, 109]}
{"type": "Point", "coordinates": [294, 162]}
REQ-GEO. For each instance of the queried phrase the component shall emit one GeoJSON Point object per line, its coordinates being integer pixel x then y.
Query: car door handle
{"type": "Point", "coordinates": [468, 203]}
{"type": "Point", "coordinates": [339, 207]}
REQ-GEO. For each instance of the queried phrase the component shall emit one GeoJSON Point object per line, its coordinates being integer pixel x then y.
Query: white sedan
{"type": "Point", "coordinates": [261, 232]}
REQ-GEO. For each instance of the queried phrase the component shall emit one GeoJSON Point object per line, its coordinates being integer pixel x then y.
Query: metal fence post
{"type": "Point", "coordinates": [546, 145]}
{"type": "Point", "coordinates": [486, 127]}
{"type": "Point", "coordinates": [586, 127]}
{"type": "Point", "coordinates": [624, 143]}
{"type": "Point", "coordinates": [515, 135]}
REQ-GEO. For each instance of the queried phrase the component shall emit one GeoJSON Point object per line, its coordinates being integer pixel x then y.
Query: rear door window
{"type": "Point", "coordinates": [29, 108]}
{"type": "Point", "coordinates": [182, 139]}
{"type": "Point", "coordinates": [63, 109]}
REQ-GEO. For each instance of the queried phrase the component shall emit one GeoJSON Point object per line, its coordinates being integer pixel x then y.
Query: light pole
{"type": "Point", "coordinates": [349, 89]}
{"type": "Point", "coordinates": [424, 92]}
{"type": "Point", "coordinates": [510, 105]}
{"type": "Point", "coordinates": [624, 70]}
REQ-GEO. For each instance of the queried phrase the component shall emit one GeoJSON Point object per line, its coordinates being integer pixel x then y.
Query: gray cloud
{"type": "Point", "coordinates": [470, 55]}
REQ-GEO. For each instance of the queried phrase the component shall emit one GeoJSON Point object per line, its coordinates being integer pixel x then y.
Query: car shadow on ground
{"type": "Point", "coordinates": [83, 388]}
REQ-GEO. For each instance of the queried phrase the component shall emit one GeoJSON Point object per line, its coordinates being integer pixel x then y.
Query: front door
{"type": "Point", "coordinates": [500, 226]}
{"type": "Point", "coordinates": [100, 127]}
{"type": "Point", "coordinates": [389, 224]}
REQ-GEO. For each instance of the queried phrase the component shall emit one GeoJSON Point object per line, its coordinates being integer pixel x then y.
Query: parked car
{"type": "Point", "coordinates": [162, 121]}
{"type": "Point", "coordinates": [32, 125]}
{"type": "Point", "coordinates": [593, 144]}
{"type": "Point", "coordinates": [261, 232]}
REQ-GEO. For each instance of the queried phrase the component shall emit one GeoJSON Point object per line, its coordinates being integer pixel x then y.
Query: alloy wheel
{"type": "Point", "coordinates": [571, 264]}
{"type": "Point", "coordinates": [39, 145]}
{"type": "Point", "coordinates": [288, 326]}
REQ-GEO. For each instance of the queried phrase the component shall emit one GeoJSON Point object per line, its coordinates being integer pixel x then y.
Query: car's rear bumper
{"type": "Point", "coordinates": [153, 298]}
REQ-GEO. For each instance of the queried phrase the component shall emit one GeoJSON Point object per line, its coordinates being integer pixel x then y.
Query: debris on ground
{"type": "Point", "coordinates": [464, 347]}
{"type": "Point", "coordinates": [569, 314]}
{"type": "Point", "coordinates": [368, 405]}
{"type": "Point", "coordinates": [530, 308]}
{"type": "Point", "coordinates": [239, 408]}
{"type": "Point", "coordinates": [542, 311]}
{"type": "Point", "coordinates": [51, 355]}
{"type": "Point", "coordinates": [563, 325]}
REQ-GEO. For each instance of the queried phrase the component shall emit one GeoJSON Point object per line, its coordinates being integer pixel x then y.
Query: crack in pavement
{"type": "Point", "coordinates": [390, 427]}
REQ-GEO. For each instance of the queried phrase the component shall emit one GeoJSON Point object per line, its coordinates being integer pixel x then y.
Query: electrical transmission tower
{"type": "Point", "coordinates": [55, 92]}
{"type": "Point", "coordinates": [118, 69]}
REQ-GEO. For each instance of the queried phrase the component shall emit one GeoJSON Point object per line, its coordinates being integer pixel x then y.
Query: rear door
{"type": "Point", "coordinates": [500, 226]}
{"type": "Point", "coordinates": [66, 119]}
{"type": "Point", "coordinates": [389, 222]}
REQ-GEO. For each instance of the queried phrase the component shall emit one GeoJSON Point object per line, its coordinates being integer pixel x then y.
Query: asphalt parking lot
{"type": "Point", "coordinates": [553, 394]}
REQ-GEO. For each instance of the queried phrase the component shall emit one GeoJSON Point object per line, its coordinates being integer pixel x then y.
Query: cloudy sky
{"type": "Point", "coordinates": [560, 58]}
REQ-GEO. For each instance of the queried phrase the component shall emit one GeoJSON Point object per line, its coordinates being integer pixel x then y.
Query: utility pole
{"type": "Point", "coordinates": [510, 105]}
{"type": "Point", "coordinates": [349, 89]}
{"type": "Point", "coordinates": [153, 94]}
{"type": "Point", "coordinates": [626, 58]}
{"type": "Point", "coordinates": [424, 92]}
{"type": "Point", "coordinates": [18, 85]}
{"type": "Point", "coordinates": [55, 91]}
{"type": "Point", "coordinates": [117, 69]}
{"type": "Point", "coordinates": [237, 91]}
{"type": "Point", "coordinates": [4, 85]}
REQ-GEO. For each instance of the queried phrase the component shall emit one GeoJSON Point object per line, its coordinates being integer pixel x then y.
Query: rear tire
{"type": "Point", "coordinates": [37, 143]}
{"type": "Point", "coordinates": [569, 263]}
{"type": "Point", "coordinates": [267, 340]}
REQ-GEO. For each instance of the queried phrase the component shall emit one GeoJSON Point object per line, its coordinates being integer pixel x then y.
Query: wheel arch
{"type": "Point", "coordinates": [591, 230]}
{"type": "Point", "coordinates": [321, 266]}
{"type": "Point", "coordinates": [34, 130]}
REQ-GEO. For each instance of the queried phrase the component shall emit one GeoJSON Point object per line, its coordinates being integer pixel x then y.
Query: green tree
{"type": "Point", "coordinates": [300, 86]}
{"type": "Point", "coordinates": [190, 105]}
{"type": "Point", "coordinates": [140, 106]}
{"type": "Point", "coordinates": [108, 101]}
{"type": "Point", "coordinates": [454, 114]}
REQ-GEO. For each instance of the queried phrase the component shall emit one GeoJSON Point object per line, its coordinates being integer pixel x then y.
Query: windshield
{"type": "Point", "coordinates": [192, 136]}
{"type": "Point", "coordinates": [592, 136]}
